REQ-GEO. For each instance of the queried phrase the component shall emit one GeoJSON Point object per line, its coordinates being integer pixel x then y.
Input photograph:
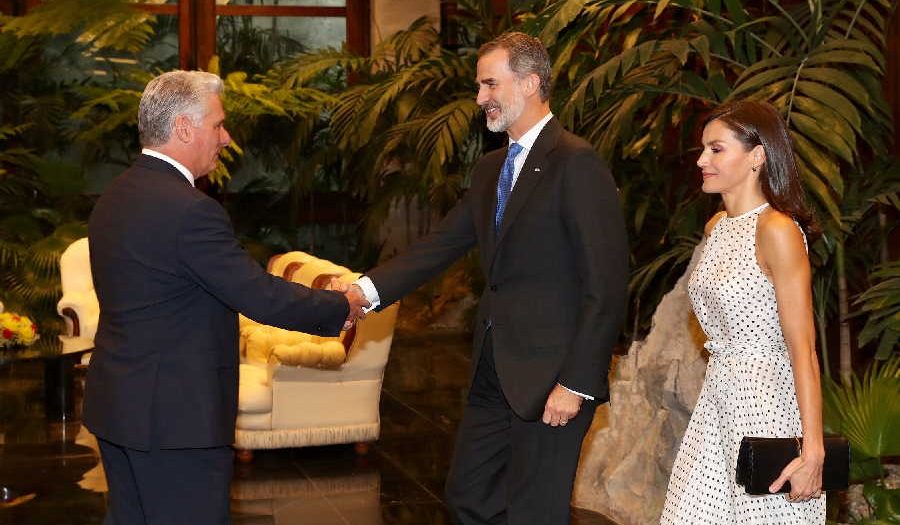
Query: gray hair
{"type": "Point", "coordinates": [170, 95]}
{"type": "Point", "coordinates": [527, 55]}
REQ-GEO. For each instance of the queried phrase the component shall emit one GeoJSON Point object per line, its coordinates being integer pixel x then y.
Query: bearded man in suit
{"type": "Point", "coordinates": [170, 276]}
{"type": "Point", "coordinates": [545, 215]}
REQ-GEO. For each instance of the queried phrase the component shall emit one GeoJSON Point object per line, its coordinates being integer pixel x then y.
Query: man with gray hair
{"type": "Point", "coordinates": [545, 215]}
{"type": "Point", "coordinates": [161, 391]}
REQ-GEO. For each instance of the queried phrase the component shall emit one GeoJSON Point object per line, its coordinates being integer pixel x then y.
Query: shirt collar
{"type": "Point", "coordinates": [527, 140]}
{"type": "Point", "coordinates": [165, 158]}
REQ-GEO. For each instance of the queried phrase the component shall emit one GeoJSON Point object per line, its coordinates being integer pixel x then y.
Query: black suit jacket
{"type": "Point", "coordinates": [171, 277]}
{"type": "Point", "coordinates": [556, 272]}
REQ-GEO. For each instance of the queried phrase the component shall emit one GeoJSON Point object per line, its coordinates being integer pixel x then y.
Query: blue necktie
{"type": "Point", "coordinates": [504, 185]}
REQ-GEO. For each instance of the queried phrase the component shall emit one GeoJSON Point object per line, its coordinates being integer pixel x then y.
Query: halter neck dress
{"type": "Point", "coordinates": [748, 389]}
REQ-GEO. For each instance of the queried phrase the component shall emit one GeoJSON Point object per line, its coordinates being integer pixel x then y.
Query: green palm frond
{"type": "Point", "coordinates": [11, 253]}
{"type": "Point", "coordinates": [22, 228]}
{"type": "Point", "coordinates": [15, 162]}
{"type": "Point", "coordinates": [672, 259]}
{"type": "Point", "coordinates": [248, 100]}
{"type": "Point", "coordinates": [17, 157]}
{"type": "Point", "coordinates": [409, 46]}
{"type": "Point", "coordinates": [345, 116]}
{"type": "Point", "coordinates": [29, 271]}
{"type": "Point", "coordinates": [877, 186]}
{"type": "Point", "coordinates": [302, 69]}
{"type": "Point", "coordinates": [881, 304]}
{"type": "Point", "coordinates": [867, 410]}
{"type": "Point", "coordinates": [7, 132]}
{"type": "Point", "coordinates": [43, 256]}
{"type": "Point", "coordinates": [16, 50]}
{"type": "Point", "coordinates": [423, 78]}
{"type": "Point", "coordinates": [441, 136]}
{"type": "Point", "coordinates": [33, 287]}
{"type": "Point", "coordinates": [103, 114]}
{"type": "Point", "coordinates": [634, 77]}
{"type": "Point", "coordinates": [824, 89]}
{"type": "Point", "coordinates": [556, 17]}
{"type": "Point", "coordinates": [100, 24]}
{"type": "Point", "coordinates": [220, 175]}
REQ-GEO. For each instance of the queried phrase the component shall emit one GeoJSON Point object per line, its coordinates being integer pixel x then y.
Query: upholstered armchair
{"type": "Point", "coordinates": [285, 263]}
{"type": "Point", "coordinates": [298, 390]}
{"type": "Point", "coordinates": [78, 305]}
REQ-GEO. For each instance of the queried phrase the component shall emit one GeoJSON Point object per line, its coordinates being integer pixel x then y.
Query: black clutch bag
{"type": "Point", "coordinates": [761, 460]}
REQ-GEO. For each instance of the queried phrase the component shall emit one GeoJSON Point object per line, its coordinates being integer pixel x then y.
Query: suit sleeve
{"type": "Point", "coordinates": [596, 229]}
{"type": "Point", "coordinates": [451, 239]}
{"type": "Point", "coordinates": [212, 257]}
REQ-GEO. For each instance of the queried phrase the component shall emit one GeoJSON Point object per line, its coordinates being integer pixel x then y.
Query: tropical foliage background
{"type": "Point", "coordinates": [401, 126]}
{"type": "Point", "coordinates": [633, 77]}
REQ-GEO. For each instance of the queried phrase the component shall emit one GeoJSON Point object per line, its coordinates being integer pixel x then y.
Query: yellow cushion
{"type": "Point", "coordinates": [309, 354]}
{"type": "Point", "coordinates": [254, 393]}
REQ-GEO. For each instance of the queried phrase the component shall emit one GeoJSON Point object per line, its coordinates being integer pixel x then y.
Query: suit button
{"type": "Point", "coordinates": [493, 288]}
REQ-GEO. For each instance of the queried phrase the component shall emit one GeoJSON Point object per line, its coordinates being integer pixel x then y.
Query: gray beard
{"type": "Point", "coordinates": [499, 125]}
{"type": "Point", "coordinates": [508, 115]}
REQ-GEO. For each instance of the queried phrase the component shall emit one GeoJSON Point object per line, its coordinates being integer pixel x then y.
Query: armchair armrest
{"type": "Point", "coordinates": [81, 311]}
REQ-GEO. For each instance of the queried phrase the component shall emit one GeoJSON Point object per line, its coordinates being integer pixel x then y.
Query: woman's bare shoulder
{"type": "Point", "coordinates": [779, 235]}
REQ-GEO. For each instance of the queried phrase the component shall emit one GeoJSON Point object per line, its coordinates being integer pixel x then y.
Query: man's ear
{"type": "Point", "coordinates": [530, 84]}
{"type": "Point", "coordinates": [184, 129]}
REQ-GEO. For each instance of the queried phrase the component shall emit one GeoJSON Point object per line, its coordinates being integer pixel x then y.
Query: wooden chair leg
{"type": "Point", "coordinates": [243, 455]}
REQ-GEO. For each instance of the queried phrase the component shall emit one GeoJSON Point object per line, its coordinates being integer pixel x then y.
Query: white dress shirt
{"type": "Point", "coordinates": [177, 165]}
{"type": "Point", "coordinates": [527, 142]}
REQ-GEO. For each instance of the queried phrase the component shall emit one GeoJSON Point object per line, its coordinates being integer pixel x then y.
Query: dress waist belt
{"type": "Point", "coordinates": [722, 347]}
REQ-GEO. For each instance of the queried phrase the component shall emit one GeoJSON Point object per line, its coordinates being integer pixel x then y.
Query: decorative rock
{"type": "Point", "coordinates": [629, 451]}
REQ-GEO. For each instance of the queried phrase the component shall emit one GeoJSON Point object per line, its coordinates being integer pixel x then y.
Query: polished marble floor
{"type": "Point", "coordinates": [399, 481]}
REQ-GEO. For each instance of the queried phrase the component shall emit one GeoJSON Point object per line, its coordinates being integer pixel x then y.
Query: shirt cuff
{"type": "Point", "coordinates": [589, 398]}
{"type": "Point", "coordinates": [368, 288]}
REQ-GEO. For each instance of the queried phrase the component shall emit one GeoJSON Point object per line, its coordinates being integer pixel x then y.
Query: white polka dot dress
{"type": "Point", "coordinates": [748, 390]}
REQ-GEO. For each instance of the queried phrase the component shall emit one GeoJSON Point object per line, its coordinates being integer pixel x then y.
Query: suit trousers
{"type": "Point", "coordinates": [506, 470]}
{"type": "Point", "coordinates": [167, 486]}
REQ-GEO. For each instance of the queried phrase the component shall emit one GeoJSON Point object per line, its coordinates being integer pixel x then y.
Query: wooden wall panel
{"type": "Point", "coordinates": [17, 7]}
{"type": "Point", "coordinates": [359, 23]}
{"type": "Point", "coordinates": [205, 31]}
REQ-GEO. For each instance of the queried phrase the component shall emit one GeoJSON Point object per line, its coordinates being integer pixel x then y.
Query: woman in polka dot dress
{"type": "Point", "coordinates": [752, 295]}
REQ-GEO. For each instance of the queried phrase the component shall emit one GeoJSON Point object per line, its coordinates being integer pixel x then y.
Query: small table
{"type": "Point", "coordinates": [59, 354]}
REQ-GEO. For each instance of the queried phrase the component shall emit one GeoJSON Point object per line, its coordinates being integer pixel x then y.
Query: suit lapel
{"type": "Point", "coordinates": [488, 205]}
{"type": "Point", "coordinates": [532, 171]}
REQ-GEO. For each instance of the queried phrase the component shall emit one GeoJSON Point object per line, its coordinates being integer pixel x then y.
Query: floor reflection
{"type": "Point", "coordinates": [54, 472]}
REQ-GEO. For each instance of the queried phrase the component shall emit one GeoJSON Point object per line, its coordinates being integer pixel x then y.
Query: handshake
{"type": "Point", "coordinates": [356, 298]}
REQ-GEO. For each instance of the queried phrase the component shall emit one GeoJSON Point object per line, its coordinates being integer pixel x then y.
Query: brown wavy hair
{"type": "Point", "coordinates": [757, 123]}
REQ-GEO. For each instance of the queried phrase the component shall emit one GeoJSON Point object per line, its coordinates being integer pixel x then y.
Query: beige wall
{"type": "Point", "coordinates": [390, 16]}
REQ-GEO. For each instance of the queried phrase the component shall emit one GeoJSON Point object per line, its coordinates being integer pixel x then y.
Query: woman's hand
{"type": "Point", "coordinates": [805, 475]}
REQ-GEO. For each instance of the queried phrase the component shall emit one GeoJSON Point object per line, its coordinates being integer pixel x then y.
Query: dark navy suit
{"type": "Point", "coordinates": [557, 274]}
{"type": "Point", "coordinates": [161, 389]}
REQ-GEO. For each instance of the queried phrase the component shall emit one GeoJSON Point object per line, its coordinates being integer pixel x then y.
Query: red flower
{"type": "Point", "coordinates": [7, 333]}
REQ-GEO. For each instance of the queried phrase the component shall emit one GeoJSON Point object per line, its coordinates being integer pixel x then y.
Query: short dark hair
{"type": "Point", "coordinates": [755, 123]}
{"type": "Point", "coordinates": [527, 55]}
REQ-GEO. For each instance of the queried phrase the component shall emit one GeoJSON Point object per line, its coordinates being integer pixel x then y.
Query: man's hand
{"type": "Point", "coordinates": [561, 406]}
{"type": "Point", "coordinates": [355, 297]}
